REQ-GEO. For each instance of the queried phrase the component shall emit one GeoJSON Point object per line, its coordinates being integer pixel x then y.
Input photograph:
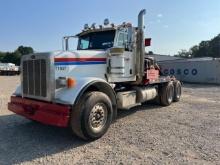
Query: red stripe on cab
{"type": "Point", "coordinates": [78, 59]}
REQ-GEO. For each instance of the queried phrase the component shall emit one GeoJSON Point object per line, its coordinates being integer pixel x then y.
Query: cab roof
{"type": "Point", "coordinates": [87, 31]}
{"type": "Point", "coordinates": [103, 28]}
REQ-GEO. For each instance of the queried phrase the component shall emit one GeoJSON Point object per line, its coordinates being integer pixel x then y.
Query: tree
{"type": "Point", "coordinates": [24, 50]}
{"type": "Point", "coordinates": [12, 58]}
{"type": "Point", "coordinates": [194, 51]}
{"type": "Point", "coordinates": [203, 49]}
{"type": "Point", "coordinates": [210, 48]}
{"type": "Point", "coordinates": [184, 54]}
{"type": "Point", "coordinates": [215, 47]}
{"type": "Point", "coordinates": [15, 57]}
{"type": "Point", "coordinates": [2, 55]}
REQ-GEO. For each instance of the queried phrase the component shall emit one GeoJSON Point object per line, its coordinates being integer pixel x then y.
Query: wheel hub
{"type": "Point", "coordinates": [98, 117]}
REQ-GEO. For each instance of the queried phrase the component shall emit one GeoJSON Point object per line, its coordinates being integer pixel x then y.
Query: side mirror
{"type": "Point", "coordinates": [147, 42]}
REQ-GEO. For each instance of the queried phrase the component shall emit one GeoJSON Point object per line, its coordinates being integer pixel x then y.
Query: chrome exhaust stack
{"type": "Point", "coordinates": [141, 19]}
{"type": "Point", "coordinates": [140, 49]}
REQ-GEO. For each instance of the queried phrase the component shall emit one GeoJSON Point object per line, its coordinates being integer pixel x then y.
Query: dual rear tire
{"type": "Point", "coordinates": [170, 92]}
{"type": "Point", "coordinates": [177, 91]}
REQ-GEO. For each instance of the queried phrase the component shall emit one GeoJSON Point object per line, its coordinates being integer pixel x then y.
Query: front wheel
{"type": "Point", "coordinates": [92, 116]}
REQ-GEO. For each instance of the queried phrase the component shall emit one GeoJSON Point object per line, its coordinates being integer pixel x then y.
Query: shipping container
{"type": "Point", "coordinates": [198, 70]}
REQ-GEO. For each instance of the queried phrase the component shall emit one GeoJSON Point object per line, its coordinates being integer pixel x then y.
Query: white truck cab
{"type": "Point", "coordinates": [84, 88]}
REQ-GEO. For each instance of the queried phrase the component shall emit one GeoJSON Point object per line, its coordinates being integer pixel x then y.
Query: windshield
{"type": "Point", "coordinates": [97, 40]}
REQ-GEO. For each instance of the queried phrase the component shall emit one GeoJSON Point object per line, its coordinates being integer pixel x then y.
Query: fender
{"type": "Point", "coordinates": [104, 87]}
{"type": "Point", "coordinates": [71, 96]}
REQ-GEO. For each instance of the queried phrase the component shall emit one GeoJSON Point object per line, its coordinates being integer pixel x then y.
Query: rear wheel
{"type": "Point", "coordinates": [92, 116]}
{"type": "Point", "coordinates": [177, 91]}
{"type": "Point", "coordinates": [166, 94]}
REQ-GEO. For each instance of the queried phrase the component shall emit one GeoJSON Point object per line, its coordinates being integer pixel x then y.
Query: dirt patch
{"type": "Point", "coordinates": [187, 132]}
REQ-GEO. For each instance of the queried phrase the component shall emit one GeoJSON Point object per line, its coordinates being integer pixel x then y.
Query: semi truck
{"type": "Point", "coordinates": [84, 89]}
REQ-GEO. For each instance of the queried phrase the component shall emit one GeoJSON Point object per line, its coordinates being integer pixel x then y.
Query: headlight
{"type": "Point", "coordinates": [63, 82]}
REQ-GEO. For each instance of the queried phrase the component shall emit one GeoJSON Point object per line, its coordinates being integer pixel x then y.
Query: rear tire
{"type": "Point", "coordinates": [92, 116]}
{"type": "Point", "coordinates": [177, 91]}
{"type": "Point", "coordinates": [166, 94]}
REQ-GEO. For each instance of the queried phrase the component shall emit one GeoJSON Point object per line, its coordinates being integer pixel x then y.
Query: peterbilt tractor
{"type": "Point", "coordinates": [84, 89]}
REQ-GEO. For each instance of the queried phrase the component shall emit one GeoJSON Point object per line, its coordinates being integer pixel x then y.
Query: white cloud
{"type": "Point", "coordinates": [159, 15]}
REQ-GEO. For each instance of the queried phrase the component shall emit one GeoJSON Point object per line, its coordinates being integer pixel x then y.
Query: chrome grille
{"type": "Point", "coordinates": [35, 77]}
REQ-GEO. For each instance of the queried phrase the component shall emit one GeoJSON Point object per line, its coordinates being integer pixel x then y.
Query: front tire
{"type": "Point", "coordinates": [92, 116]}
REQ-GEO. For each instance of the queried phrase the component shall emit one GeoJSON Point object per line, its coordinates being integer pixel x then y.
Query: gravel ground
{"type": "Point", "coordinates": [187, 132]}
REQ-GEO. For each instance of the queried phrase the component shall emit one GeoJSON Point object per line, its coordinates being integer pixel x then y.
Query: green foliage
{"type": "Point", "coordinates": [24, 50]}
{"type": "Point", "coordinates": [15, 57]}
{"type": "Point", "coordinates": [2, 55]}
{"type": "Point", "coordinates": [183, 53]}
{"type": "Point", "coordinates": [209, 48]}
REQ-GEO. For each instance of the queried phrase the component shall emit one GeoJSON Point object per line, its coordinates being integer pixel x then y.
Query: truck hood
{"type": "Point", "coordinates": [80, 54]}
{"type": "Point", "coordinates": [80, 63]}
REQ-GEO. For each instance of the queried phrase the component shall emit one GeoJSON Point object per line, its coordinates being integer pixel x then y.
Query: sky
{"type": "Point", "coordinates": [172, 24]}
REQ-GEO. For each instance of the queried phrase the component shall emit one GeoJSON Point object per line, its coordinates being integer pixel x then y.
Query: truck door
{"type": "Point", "coordinates": [120, 62]}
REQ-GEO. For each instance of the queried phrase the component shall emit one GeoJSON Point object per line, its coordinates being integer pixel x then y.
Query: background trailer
{"type": "Point", "coordinates": [9, 69]}
{"type": "Point", "coordinates": [198, 70]}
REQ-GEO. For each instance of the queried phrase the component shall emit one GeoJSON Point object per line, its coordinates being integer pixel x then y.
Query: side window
{"type": "Point", "coordinates": [84, 43]}
{"type": "Point", "coordinates": [122, 40]}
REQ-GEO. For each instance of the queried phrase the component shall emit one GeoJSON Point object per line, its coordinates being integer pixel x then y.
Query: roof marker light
{"type": "Point", "coordinates": [93, 26]}
{"type": "Point", "coordinates": [106, 21]}
{"type": "Point", "coordinates": [86, 26]}
{"type": "Point", "coordinates": [124, 24]}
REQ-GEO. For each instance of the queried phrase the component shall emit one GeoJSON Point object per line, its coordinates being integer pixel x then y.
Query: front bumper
{"type": "Point", "coordinates": [43, 112]}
